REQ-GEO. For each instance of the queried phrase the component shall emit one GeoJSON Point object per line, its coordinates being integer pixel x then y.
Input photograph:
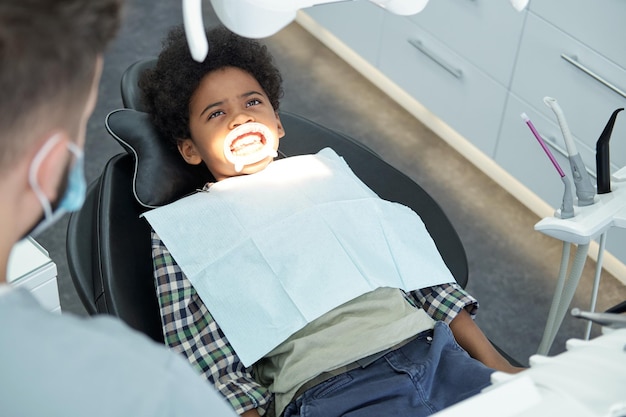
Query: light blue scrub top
{"type": "Point", "coordinates": [63, 365]}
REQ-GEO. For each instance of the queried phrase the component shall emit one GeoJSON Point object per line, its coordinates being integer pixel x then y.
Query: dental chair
{"type": "Point", "coordinates": [109, 246]}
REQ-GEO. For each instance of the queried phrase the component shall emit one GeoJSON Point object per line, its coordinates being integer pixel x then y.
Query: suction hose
{"type": "Point", "coordinates": [585, 190]}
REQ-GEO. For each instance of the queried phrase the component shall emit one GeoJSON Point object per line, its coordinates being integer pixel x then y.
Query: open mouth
{"type": "Point", "coordinates": [248, 144]}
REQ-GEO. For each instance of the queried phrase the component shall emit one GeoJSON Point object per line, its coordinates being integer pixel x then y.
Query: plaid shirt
{"type": "Point", "coordinates": [190, 329]}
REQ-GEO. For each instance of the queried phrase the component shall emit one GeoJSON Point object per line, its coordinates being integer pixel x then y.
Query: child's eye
{"type": "Point", "coordinates": [253, 102]}
{"type": "Point", "coordinates": [215, 114]}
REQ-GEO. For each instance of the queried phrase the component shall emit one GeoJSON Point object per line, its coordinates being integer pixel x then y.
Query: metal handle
{"type": "Point", "coordinates": [457, 72]}
{"type": "Point", "coordinates": [551, 142]}
{"type": "Point", "coordinates": [574, 61]}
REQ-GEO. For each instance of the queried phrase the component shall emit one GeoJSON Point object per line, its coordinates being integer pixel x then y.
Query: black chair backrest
{"type": "Point", "coordinates": [131, 94]}
{"type": "Point", "coordinates": [109, 248]}
{"type": "Point", "coordinates": [109, 251]}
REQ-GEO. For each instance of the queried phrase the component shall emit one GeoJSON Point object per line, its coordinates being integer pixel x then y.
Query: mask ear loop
{"type": "Point", "coordinates": [32, 174]}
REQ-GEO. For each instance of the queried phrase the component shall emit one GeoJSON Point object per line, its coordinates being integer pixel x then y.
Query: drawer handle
{"type": "Point", "coordinates": [437, 59]}
{"type": "Point", "coordinates": [552, 142]}
{"type": "Point", "coordinates": [574, 61]}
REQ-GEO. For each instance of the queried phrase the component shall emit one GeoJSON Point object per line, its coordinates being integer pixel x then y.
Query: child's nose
{"type": "Point", "coordinates": [240, 119]}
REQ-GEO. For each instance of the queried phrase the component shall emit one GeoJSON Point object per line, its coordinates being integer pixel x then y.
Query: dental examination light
{"type": "Point", "coordinates": [262, 18]}
{"type": "Point", "coordinates": [519, 5]}
{"type": "Point", "coordinates": [194, 29]}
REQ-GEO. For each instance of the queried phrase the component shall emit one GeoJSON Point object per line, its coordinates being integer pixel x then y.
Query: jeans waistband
{"type": "Point", "coordinates": [359, 363]}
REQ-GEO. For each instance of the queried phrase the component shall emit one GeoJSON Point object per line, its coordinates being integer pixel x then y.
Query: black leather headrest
{"type": "Point", "coordinates": [160, 173]}
{"type": "Point", "coordinates": [131, 93]}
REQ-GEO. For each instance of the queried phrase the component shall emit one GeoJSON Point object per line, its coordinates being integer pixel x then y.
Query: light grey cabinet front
{"type": "Point", "coordinates": [477, 65]}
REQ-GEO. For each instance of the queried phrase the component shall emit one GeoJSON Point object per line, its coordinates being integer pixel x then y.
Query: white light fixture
{"type": "Point", "coordinates": [194, 29]}
{"type": "Point", "coordinates": [262, 18]}
{"type": "Point", "coordinates": [519, 5]}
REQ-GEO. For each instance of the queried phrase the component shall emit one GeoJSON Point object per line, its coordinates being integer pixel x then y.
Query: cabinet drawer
{"type": "Point", "coordinates": [456, 91]}
{"type": "Point", "coordinates": [356, 23]}
{"type": "Point", "coordinates": [586, 103]}
{"type": "Point", "coordinates": [486, 33]}
{"type": "Point", "coordinates": [520, 154]}
{"type": "Point", "coordinates": [47, 294]}
{"type": "Point", "coordinates": [598, 24]}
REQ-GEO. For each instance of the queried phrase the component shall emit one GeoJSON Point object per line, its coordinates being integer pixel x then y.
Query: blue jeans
{"type": "Point", "coordinates": [420, 378]}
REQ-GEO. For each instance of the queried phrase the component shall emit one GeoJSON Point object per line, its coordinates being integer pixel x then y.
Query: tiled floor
{"type": "Point", "coordinates": [513, 269]}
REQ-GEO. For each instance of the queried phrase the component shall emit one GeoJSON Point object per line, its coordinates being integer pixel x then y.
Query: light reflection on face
{"type": "Point", "coordinates": [225, 99]}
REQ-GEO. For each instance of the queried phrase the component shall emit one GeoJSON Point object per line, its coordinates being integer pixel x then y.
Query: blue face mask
{"type": "Point", "coordinates": [75, 191]}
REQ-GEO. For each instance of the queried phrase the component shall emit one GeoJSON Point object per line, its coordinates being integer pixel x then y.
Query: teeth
{"type": "Point", "coordinates": [248, 144]}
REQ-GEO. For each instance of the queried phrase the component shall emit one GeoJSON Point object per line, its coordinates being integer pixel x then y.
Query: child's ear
{"type": "Point", "coordinates": [188, 151]}
{"type": "Point", "coordinates": [281, 130]}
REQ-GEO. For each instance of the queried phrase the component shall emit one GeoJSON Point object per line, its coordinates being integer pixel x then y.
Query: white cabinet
{"type": "Point", "coordinates": [486, 33]}
{"type": "Point", "coordinates": [477, 65]}
{"type": "Point", "coordinates": [587, 104]}
{"type": "Point", "coordinates": [31, 268]}
{"type": "Point", "coordinates": [446, 83]}
{"type": "Point", "coordinates": [597, 24]}
{"type": "Point", "coordinates": [358, 24]}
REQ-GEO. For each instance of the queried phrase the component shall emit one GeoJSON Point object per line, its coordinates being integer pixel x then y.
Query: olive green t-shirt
{"type": "Point", "coordinates": [366, 325]}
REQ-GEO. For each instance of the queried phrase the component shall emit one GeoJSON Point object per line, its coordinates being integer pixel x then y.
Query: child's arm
{"type": "Point", "coordinates": [452, 304]}
{"type": "Point", "coordinates": [469, 336]}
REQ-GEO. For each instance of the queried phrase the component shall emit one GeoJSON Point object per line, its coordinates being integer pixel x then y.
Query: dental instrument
{"type": "Point", "coordinates": [585, 190]}
{"type": "Point", "coordinates": [603, 160]}
{"type": "Point", "coordinates": [610, 320]}
{"type": "Point", "coordinates": [567, 206]}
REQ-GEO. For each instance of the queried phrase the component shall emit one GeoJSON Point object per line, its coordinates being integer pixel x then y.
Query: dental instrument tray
{"type": "Point", "coordinates": [591, 221]}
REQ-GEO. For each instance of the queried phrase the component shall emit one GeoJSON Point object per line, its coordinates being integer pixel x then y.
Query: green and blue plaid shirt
{"type": "Point", "coordinates": [190, 329]}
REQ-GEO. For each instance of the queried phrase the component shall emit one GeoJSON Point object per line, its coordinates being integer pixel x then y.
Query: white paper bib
{"type": "Point", "coordinates": [272, 251]}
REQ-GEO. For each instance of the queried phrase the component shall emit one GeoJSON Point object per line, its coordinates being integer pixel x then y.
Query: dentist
{"type": "Point", "coordinates": [50, 364]}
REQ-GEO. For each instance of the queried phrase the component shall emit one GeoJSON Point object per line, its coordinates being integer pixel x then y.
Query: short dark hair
{"type": "Point", "coordinates": [48, 55]}
{"type": "Point", "coordinates": [168, 88]}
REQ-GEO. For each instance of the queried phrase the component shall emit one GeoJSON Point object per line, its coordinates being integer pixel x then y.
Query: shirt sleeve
{"type": "Point", "coordinates": [189, 328]}
{"type": "Point", "coordinates": [443, 302]}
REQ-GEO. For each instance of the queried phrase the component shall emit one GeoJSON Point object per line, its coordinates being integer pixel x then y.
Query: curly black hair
{"type": "Point", "coordinates": [167, 89]}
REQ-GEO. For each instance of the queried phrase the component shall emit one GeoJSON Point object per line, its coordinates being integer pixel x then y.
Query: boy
{"type": "Point", "coordinates": [325, 367]}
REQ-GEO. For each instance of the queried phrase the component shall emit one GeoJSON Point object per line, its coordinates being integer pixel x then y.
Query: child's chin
{"type": "Point", "coordinates": [257, 166]}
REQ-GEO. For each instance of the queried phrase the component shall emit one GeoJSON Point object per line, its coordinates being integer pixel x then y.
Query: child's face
{"type": "Point", "coordinates": [225, 99]}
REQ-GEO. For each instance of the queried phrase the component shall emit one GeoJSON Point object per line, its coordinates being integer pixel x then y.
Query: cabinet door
{"type": "Point", "coordinates": [453, 89]}
{"type": "Point", "coordinates": [356, 23]}
{"type": "Point", "coordinates": [587, 103]}
{"type": "Point", "coordinates": [599, 24]}
{"type": "Point", "coordinates": [486, 33]}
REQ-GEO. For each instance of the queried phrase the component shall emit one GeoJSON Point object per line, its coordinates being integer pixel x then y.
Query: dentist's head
{"type": "Point", "coordinates": [50, 65]}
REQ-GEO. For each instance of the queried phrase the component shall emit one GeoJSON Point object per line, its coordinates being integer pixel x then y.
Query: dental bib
{"type": "Point", "coordinates": [249, 143]}
{"type": "Point", "coordinates": [272, 251]}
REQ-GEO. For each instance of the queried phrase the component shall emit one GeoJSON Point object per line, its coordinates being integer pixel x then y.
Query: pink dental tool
{"type": "Point", "coordinates": [567, 207]}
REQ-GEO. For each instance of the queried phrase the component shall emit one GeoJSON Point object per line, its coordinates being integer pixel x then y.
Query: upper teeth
{"type": "Point", "coordinates": [247, 140]}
